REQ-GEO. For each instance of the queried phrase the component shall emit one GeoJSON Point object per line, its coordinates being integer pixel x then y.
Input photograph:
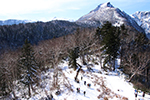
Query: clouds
{"type": "Point", "coordinates": [28, 6]}
{"type": "Point", "coordinates": [25, 8]}
{"type": "Point", "coordinates": [21, 8]}
{"type": "Point", "coordinates": [44, 9]}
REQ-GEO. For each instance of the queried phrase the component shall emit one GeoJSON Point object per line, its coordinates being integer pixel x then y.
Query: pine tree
{"type": "Point", "coordinates": [110, 42]}
{"type": "Point", "coordinates": [28, 67]}
{"type": "Point", "coordinates": [123, 42]}
{"type": "Point", "coordinates": [74, 54]}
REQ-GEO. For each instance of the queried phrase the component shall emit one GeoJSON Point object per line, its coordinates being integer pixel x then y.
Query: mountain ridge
{"type": "Point", "coordinates": [13, 36]}
{"type": "Point", "coordinates": [143, 19]}
{"type": "Point", "coordinates": [107, 12]}
{"type": "Point", "coordinates": [13, 21]}
{"type": "Point", "coordinates": [102, 13]}
{"type": "Point", "coordinates": [104, 5]}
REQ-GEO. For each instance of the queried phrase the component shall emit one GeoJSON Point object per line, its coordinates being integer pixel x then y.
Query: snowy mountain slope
{"type": "Point", "coordinates": [107, 12]}
{"type": "Point", "coordinates": [143, 20]}
{"type": "Point", "coordinates": [109, 85]}
{"type": "Point", "coordinates": [13, 21]}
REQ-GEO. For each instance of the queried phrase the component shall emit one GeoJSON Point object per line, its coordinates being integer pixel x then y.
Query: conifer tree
{"type": "Point", "coordinates": [110, 42]}
{"type": "Point", "coordinates": [74, 54]}
{"type": "Point", "coordinates": [28, 67]}
{"type": "Point", "coordinates": [123, 42]}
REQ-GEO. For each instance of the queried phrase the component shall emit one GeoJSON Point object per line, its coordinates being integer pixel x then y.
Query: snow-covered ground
{"type": "Point", "coordinates": [110, 85]}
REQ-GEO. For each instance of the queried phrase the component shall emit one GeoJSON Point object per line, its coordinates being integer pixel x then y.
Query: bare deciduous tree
{"type": "Point", "coordinates": [137, 63]}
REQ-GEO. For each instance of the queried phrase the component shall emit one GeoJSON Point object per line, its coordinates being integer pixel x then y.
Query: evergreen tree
{"type": "Point", "coordinates": [123, 43]}
{"type": "Point", "coordinates": [28, 67]}
{"type": "Point", "coordinates": [141, 42]}
{"type": "Point", "coordinates": [74, 54]}
{"type": "Point", "coordinates": [110, 42]}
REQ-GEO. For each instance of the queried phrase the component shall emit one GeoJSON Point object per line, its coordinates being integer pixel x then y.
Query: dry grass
{"type": "Point", "coordinates": [103, 90]}
{"type": "Point", "coordinates": [124, 98]}
{"type": "Point", "coordinates": [98, 90]}
{"type": "Point", "coordinates": [105, 98]}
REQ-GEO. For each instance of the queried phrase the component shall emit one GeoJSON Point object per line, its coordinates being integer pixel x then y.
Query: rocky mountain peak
{"type": "Point", "coordinates": [102, 6]}
{"type": "Point", "coordinates": [108, 4]}
{"type": "Point", "coordinates": [107, 12]}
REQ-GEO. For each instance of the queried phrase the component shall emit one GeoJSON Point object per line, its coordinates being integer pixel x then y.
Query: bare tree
{"type": "Point", "coordinates": [84, 44]}
{"type": "Point", "coordinates": [137, 63]}
{"type": "Point", "coordinates": [51, 52]}
{"type": "Point", "coordinates": [8, 74]}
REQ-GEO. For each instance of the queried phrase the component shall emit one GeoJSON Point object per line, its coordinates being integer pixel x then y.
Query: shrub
{"type": "Point", "coordinates": [105, 98]}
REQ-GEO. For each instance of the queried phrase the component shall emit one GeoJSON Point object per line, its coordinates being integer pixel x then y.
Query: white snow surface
{"type": "Point", "coordinates": [113, 81]}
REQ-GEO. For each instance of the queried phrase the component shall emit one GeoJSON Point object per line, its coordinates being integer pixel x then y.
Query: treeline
{"type": "Point", "coordinates": [13, 36]}
{"type": "Point", "coordinates": [108, 43]}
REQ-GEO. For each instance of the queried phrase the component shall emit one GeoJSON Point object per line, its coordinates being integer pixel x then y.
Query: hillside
{"type": "Point", "coordinates": [103, 84]}
{"type": "Point", "coordinates": [13, 36]}
{"type": "Point", "coordinates": [14, 32]}
{"type": "Point", "coordinates": [55, 66]}
{"type": "Point", "coordinates": [75, 60]}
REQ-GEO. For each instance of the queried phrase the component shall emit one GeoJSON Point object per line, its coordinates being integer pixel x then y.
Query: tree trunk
{"type": "Point", "coordinates": [83, 60]}
{"type": "Point", "coordinates": [121, 56]}
{"type": "Point", "coordinates": [14, 94]}
{"type": "Point", "coordinates": [57, 78]}
{"type": "Point", "coordinates": [114, 65]}
{"type": "Point", "coordinates": [147, 75]}
{"type": "Point", "coordinates": [78, 72]}
{"type": "Point", "coordinates": [100, 62]}
{"type": "Point", "coordinates": [29, 90]}
{"type": "Point", "coordinates": [132, 76]}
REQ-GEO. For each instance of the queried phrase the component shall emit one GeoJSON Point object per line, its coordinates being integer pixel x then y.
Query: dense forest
{"type": "Point", "coordinates": [13, 36]}
{"type": "Point", "coordinates": [23, 66]}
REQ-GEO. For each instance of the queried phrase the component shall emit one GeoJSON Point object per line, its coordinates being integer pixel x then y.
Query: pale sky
{"type": "Point", "coordinates": [46, 10]}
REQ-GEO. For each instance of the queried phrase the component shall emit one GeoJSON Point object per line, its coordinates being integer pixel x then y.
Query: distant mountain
{"type": "Point", "coordinates": [13, 36]}
{"type": "Point", "coordinates": [14, 32]}
{"type": "Point", "coordinates": [143, 20]}
{"type": "Point", "coordinates": [107, 12]}
{"type": "Point", "coordinates": [13, 21]}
